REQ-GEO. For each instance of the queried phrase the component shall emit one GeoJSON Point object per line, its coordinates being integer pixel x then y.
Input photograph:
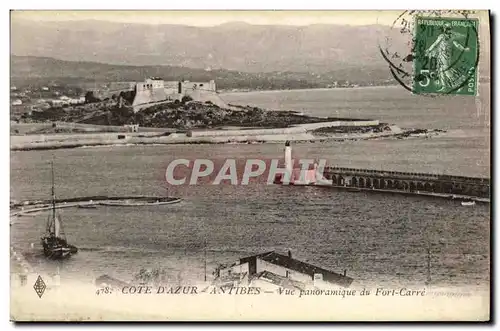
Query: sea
{"type": "Point", "coordinates": [378, 239]}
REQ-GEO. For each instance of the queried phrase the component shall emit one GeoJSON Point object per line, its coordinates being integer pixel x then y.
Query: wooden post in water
{"type": "Point", "coordinates": [205, 259]}
{"type": "Point", "coordinates": [428, 280]}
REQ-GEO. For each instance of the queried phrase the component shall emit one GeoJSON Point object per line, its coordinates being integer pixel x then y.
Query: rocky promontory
{"type": "Point", "coordinates": [182, 115]}
{"type": "Point", "coordinates": [186, 121]}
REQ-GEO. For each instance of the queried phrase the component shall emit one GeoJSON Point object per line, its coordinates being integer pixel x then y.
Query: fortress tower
{"type": "Point", "coordinates": [151, 90]}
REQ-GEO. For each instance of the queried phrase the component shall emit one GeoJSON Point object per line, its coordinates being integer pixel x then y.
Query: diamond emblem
{"type": "Point", "coordinates": [39, 286]}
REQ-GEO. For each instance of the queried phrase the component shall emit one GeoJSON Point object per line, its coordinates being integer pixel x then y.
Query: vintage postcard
{"type": "Point", "coordinates": [250, 165]}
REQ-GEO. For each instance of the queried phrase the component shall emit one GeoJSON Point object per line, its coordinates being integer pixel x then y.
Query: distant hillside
{"type": "Point", "coordinates": [29, 70]}
{"type": "Point", "coordinates": [340, 52]}
{"type": "Point", "coordinates": [233, 46]}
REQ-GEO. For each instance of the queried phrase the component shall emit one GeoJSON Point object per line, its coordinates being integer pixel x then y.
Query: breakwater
{"type": "Point", "coordinates": [296, 129]}
{"type": "Point", "coordinates": [301, 132]}
{"type": "Point", "coordinates": [172, 139]}
{"type": "Point", "coordinates": [448, 186]}
{"type": "Point", "coordinates": [31, 206]}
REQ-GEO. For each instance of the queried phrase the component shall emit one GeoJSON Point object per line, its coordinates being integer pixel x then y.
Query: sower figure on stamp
{"type": "Point", "coordinates": [442, 50]}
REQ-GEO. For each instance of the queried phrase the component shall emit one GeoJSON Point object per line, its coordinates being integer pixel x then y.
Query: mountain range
{"type": "Point", "coordinates": [233, 51]}
{"type": "Point", "coordinates": [233, 46]}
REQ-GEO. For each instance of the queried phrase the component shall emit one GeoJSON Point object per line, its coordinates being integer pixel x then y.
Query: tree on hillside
{"type": "Point", "coordinates": [186, 98]}
{"type": "Point", "coordinates": [128, 96]}
{"type": "Point", "coordinates": [90, 97]}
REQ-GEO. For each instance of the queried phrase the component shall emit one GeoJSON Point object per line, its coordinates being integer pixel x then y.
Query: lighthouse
{"type": "Point", "coordinates": [288, 158]}
{"type": "Point", "coordinates": [296, 175]}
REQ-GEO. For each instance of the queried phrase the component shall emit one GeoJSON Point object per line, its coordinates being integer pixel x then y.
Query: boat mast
{"type": "Point", "coordinates": [54, 225]}
{"type": "Point", "coordinates": [52, 218]}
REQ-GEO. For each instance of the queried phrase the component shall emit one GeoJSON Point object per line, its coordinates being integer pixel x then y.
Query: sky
{"type": "Point", "coordinates": [212, 18]}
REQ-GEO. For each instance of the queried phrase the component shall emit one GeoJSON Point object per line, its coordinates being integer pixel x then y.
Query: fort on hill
{"type": "Point", "coordinates": [155, 90]}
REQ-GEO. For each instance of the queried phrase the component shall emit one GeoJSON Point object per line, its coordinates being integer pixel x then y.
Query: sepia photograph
{"type": "Point", "coordinates": [244, 165]}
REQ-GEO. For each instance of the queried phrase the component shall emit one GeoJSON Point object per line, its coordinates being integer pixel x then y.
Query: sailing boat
{"type": "Point", "coordinates": [54, 241]}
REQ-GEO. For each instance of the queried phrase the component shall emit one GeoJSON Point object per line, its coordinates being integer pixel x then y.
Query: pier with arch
{"type": "Point", "coordinates": [408, 182]}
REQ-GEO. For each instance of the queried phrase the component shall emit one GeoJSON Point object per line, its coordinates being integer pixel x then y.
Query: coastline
{"type": "Point", "coordinates": [47, 142]}
{"type": "Point", "coordinates": [236, 91]}
{"type": "Point", "coordinates": [394, 85]}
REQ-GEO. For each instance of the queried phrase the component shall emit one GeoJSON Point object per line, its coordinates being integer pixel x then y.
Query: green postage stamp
{"type": "Point", "coordinates": [446, 56]}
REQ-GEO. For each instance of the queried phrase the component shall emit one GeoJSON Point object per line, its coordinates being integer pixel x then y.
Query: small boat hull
{"type": "Point", "coordinates": [146, 202]}
{"type": "Point", "coordinates": [57, 253]}
{"type": "Point", "coordinates": [57, 248]}
{"type": "Point", "coordinates": [87, 206]}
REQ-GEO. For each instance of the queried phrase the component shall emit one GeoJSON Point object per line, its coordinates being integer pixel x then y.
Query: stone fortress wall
{"type": "Point", "coordinates": [156, 90]}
